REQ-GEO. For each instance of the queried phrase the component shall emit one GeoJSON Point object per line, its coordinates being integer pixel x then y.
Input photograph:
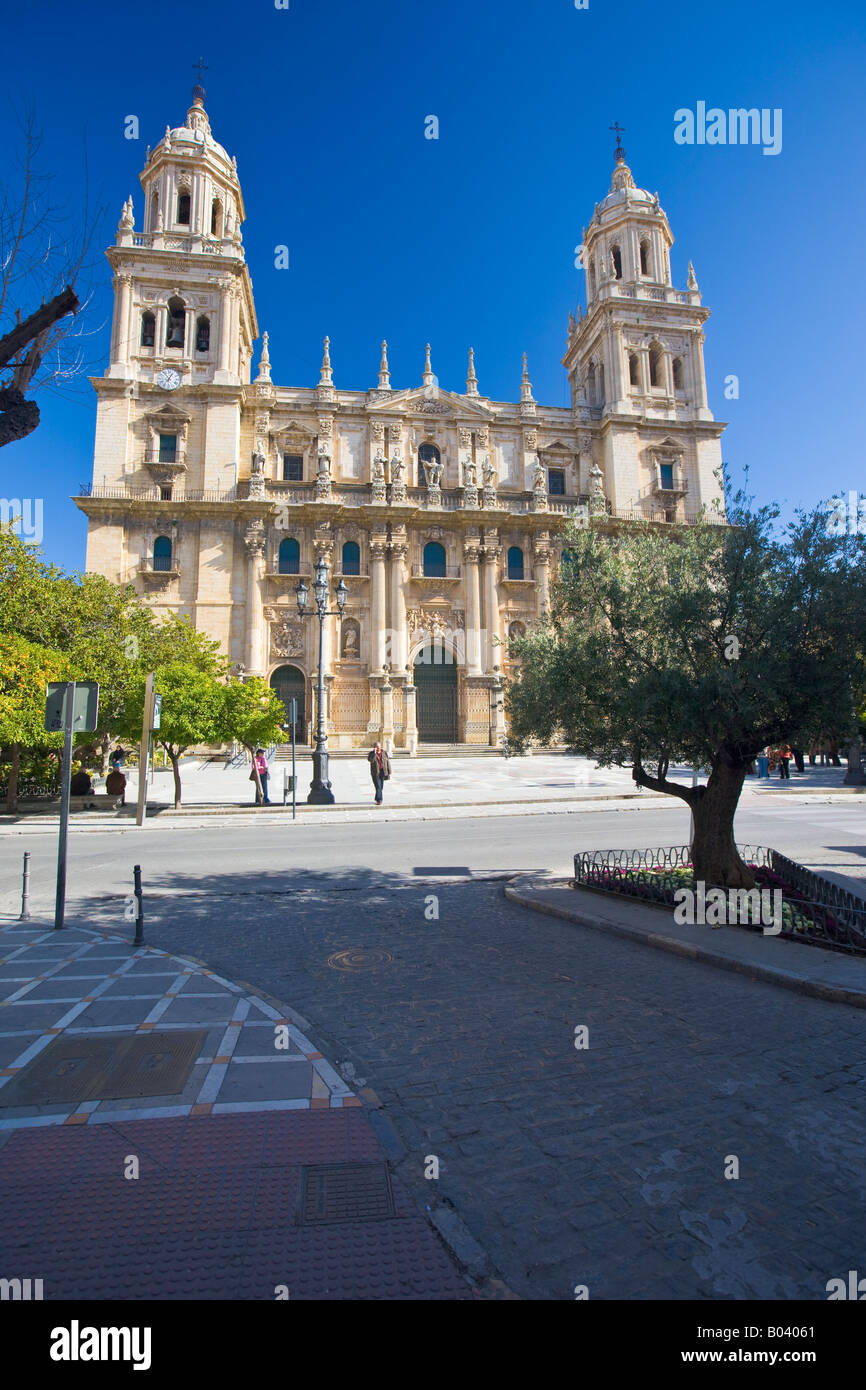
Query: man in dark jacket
{"type": "Point", "coordinates": [380, 769]}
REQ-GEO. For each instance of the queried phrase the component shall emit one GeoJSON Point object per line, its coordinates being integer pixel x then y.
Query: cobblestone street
{"type": "Point", "coordinates": [603, 1167]}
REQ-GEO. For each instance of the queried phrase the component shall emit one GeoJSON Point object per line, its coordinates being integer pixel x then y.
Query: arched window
{"type": "Point", "coordinates": [434, 559]}
{"type": "Point", "coordinates": [590, 383]}
{"type": "Point", "coordinates": [427, 454]}
{"type": "Point", "coordinates": [633, 369]}
{"type": "Point", "coordinates": [154, 210]}
{"type": "Point", "coordinates": [176, 324]}
{"type": "Point", "coordinates": [216, 218]}
{"type": "Point", "coordinates": [644, 257]}
{"type": "Point", "coordinates": [678, 373]}
{"type": "Point", "coordinates": [183, 208]}
{"type": "Point", "coordinates": [616, 254]}
{"type": "Point", "coordinates": [162, 553]}
{"type": "Point", "coordinates": [289, 557]}
{"type": "Point", "coordinates": [591, 279]}
{"type": "Point", "coordinates": [202, 334]}
{"type": "Point", "coordinates": [148, 329]}
{"type": "Point", "coordinates": [656, 365]}
{"type": "Point", "coordinates": [515, 562]}
{"type": "Point", "coordinates": [351, 558]}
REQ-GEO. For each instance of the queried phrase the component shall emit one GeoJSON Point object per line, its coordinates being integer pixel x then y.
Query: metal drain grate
{"type": "Point", "coordinates": [345, 1192]}
{"type": "Point", "coordinates": [359, 958]}
{"type": "Point", "coordinates": [96, 1066]}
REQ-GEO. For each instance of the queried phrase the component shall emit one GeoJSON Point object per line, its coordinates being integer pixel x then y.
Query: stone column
{"type": "Point", "coordinates": [699, 375]}
{"type": "Point", "coordinates": [225, 330]}
{"type": "Point", "coordinates": [121, 324]}
{"type": "Point", "coordinates": [471, 552]}
{"type": "Point", "coordinates": [378, 550]}
{"type": "Point", "coordinates": [497, 711]}
{"type": "Point", "coordinates": [399, 634]}
{"type": "Point", "coordinates": [159, 331]}
{"type": "Point", "coordinates": [254, 540]}
{"type": "Point", "coordinates": [387, 737]}
{"type": "Point", "coordinates": [493, 654]}
{"type": "Point", "coordinates": [542, 573]}
{"type": "Point", "coordinates": [410, 719]}
{"type": "Point", "coordinates": [189, 334]}
{"type": "Point", "coordinates": [618, 391]}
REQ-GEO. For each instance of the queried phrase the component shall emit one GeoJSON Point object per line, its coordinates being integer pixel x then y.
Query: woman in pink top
{"type": "Point", "coordinates": [262, 765]}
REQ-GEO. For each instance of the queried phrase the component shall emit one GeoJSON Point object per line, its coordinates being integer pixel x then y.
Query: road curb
{"type": "Point", "coordinates": [521, 891]}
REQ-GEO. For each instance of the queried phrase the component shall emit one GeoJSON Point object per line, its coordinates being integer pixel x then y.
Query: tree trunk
{"type": "Point", "coordinates": [12, 792]}
{"type": "Point", "coordinates": [175, 767]}
{"type": "Point", "coordinates": [714, 852]}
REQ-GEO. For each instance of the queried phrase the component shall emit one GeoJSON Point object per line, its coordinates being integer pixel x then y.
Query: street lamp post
{"type": "Point", "coordinates": [320, 793]}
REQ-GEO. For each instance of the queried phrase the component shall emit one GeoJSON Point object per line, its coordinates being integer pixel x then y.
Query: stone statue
{"type": "Point", "coordinates": [489, 473]}
{"type": "Point", "coordinates": [469, 476]}
{"type": "Point", "coordinates": [258, 467]}
{"type": "Point", "coordinates": [540, 480]}
{"type": "Point", "coordinates": [434, 473]}
{"type": "Point", "coordinates": [396, 469]}
{"type": "Point", "coordinates": [378, 469]}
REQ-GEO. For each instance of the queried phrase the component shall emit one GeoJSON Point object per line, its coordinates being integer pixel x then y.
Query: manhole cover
{"type": "Point", "coordinates": [358, 959]}
{"type": "Point", "coordinates": [96, 1066]}
{"type": "Point", "coordinates": [345, 1192]}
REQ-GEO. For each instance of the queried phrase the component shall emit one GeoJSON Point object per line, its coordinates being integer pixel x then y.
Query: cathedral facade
{"type": "Point", "coordinates": [216, 491]}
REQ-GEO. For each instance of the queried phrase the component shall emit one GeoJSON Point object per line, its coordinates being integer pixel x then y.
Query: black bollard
{"type": "Point", "coordinates": [25, 890]}
{"type": "Point", "coordinates": [139, 912]}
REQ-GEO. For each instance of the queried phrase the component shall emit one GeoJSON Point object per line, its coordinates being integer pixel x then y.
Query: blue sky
{"type": "Point", "coordinates": [469, 239]}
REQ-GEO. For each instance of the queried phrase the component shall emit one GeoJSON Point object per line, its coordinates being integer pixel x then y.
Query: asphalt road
{"type": "Point", "coordinates": [178, 857]}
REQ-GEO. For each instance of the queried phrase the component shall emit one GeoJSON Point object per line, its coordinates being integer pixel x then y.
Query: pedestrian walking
{"type": "Point", "coordinates": [380, 769]}
{"type": "Point", "coordinates": [261, 763]}
{"type": "Point", "coordinates": [784, 755]}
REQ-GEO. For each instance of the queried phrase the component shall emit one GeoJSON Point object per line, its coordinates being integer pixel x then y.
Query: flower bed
{"type": "Point", "coordinates": [656, 877]}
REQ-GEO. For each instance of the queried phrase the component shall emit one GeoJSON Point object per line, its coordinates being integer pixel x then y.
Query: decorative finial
{"type": "Point", "coordinates": [692, 281]}
{"type": "Point", "coordinates": [198, 91]}
{"type": "Point", "coordinates": [384, 373]}
{"type": "Point", "coordinates": [265, 361]}
{"type": "Point", "coordinates": [428, 378]}
{"type": "Point", "coordinates": [525, 383]}
{"type": "Point", "coordinates": [471, 379]}
{"type": "Point", "coordinates": [622, 173]}
{"type": "Point", "coordinates": [326, 377]}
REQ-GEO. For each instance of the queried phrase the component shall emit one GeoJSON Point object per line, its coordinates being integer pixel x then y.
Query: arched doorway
{"type": "Point", "coordinates": [290, 684]}
{"type": "Point", "coordinates": [436, 702]}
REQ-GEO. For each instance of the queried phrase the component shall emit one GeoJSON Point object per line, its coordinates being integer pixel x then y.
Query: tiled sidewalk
{"type": "Point", "coordinates": [80, 983]}
{"type": "Point", "coordinates": [261, 1177]}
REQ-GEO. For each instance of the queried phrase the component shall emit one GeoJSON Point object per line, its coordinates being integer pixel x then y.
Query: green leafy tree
{"type": "Point", "coordinates": [192, 705]}
{"type": "Point", "coordinates": [103, 628]}
{"type": "Point", "coordinates": [698, 645]}
{"type": "Point", "coordinates": [25, 671]}
{"type": "Point", "coordinates": [253, 713]}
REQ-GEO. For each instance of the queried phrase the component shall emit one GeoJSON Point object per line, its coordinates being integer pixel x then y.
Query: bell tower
{"type": "Point", "coordinates": [635, 359]}
{"type": "Point", "coordinates": [183, 295]}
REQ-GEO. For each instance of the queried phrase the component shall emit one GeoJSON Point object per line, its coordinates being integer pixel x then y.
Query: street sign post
{"type": "Point", "coordinates": [144, 747]}
{"type": "Point", "coordinates": [71, 707]}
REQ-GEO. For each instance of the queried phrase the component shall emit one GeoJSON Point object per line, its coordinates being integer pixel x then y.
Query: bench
{"type": "Point", "coordinates": [96, 801]}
